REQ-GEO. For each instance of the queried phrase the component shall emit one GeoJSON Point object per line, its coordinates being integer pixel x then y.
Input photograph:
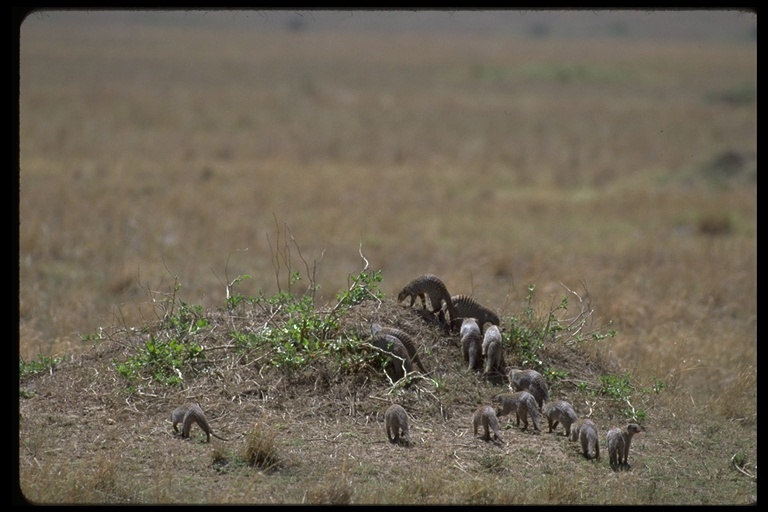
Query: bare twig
{"type": "Point", "coordinates": [742, 470]}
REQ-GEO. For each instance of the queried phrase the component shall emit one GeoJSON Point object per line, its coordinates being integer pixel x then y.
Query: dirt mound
{"type": "Point", "coordinates": [86, 410]}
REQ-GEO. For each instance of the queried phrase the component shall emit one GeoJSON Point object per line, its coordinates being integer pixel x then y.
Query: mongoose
{"type": "Point", "coordinates": [493, 352]}
{"type": "Point", "coordinates": [400, 361]}
{"type": "Point", "coordinates": [522, 404]}
{"type": "Point", "coordinates": [531, 381]}
{"type": "Point", "coordinates": [618, 444]}
{"type": "Point", "coordinates": [396, 421]}
{"type": "Point", "coordinates": [585, 431]}
{"type": "Point", "coordinates": [491, 334]}
{"type": "Point", "coordinates": [429, 285]}
{"type": "Point", "coordinates": [486, 416]}
{"type": "Point", "coordinates": [471, 344]}
{"type": "Point", "coordinates": [559, 411]}
{"type": "Point", "coordinates": [188, 414]}
{"type": "Point", "coordinates": [467, 307]}
{"type": "Point", "coordinates": [406, 340]}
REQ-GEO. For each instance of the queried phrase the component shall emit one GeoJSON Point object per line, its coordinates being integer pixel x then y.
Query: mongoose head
{"type": "Point", "coordinates": [634, 428]}
{"type": "Point", "coordinates": [402, 295]}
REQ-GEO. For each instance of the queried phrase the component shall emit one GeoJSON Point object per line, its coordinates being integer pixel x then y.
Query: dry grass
{"type": "Point", "coordinates": [148, 152]}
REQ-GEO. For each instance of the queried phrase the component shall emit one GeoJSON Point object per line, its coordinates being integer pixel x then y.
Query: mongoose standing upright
{"type": "Point", "coordinates": [471, 344]}
{"type": "Point", "coordinates": [467, 307]}
{"type": "Point", "coordinates": [396, 421]}
{"type": "Point", "coordinates": [522, 404]}
{"type": "Point", "coordinates": [431, 286]}
{"type": "Point", "coordinates": [493, 352]}
{"type": "Point", "coordinates": [486, 416]}
{"type": "Point", "coordinates": [618, 444]}
{"type": "Point", "coordinates": [405, 339]}
{"type": "Point", "coordinates": [531, 381]}
{"type": "Point", "coordinates": [585, 431]}
{"type": "Point", "coordinates": [399, 361]}
{"type": "Point", "coordinates": [559, 411]}
{"type": "Point", "coordinates": [188, 414]}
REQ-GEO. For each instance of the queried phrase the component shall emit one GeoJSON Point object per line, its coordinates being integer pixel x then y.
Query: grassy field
{"type": "Point", "coordinates": [621, 169]}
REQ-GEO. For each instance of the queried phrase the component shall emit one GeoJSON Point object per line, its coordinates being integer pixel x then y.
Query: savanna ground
{"type": "Point", "coordinates": [164, 164]}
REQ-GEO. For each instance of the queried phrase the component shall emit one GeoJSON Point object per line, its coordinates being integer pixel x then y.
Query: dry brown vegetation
{"type": "Point", "coordinates": [624, 170]}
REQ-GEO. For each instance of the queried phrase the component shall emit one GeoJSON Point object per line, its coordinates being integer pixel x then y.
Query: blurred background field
{"type": "Point", "coordinates": [607, 152]}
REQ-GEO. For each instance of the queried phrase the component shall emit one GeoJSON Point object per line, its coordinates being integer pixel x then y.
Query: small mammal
{"type": "Point", "coordinates": [585, 431]}
{"type": "Point", "coordinates": [432, 287]}
{"type": "Point", "coordinates": [485, 416]}
{"type": "Point", "coordinates": [188, 414]}
{"type": "Point", "coordinates": [471, 344]}
{"type": "Point", "coordinates": [400, 360]}
{"type": "Point", "coordinates": [559, 411]}
{"type": "Point", "coordinates": [493, 352]}
{"type": "Point", "coordinates": [522, 404]}
{"type": "Point", "coordinates": [619, 440]}
{"type": "Point", "coordinates": [467, 307]}
{"type": "Point", "coordinates": [405, 339]}
{"type": "Point", "coordinates": [396, 421]}
{"type": "Point", "coordinates": [531, 381]}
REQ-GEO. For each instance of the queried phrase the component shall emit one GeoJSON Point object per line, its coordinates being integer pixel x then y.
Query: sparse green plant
{"type": "Point", "coordinates": [41, 364]}
{"type": "Point", "coordinates": [299, 332]}
{"type": "Point", "coordinates": [528, 333]}
{"type": "Point", "coordinates": [97, 336]}
{"type": "Point", "coordinates": [233, 299]}
{"type": "Point", "coordinates": [615, 386]}
{"type": "Point", "coordinates": [620, 388]}
{"type": "Point", "coordinates": [363, 286]}
{"type": "Point", "coordinates": [162, 360]}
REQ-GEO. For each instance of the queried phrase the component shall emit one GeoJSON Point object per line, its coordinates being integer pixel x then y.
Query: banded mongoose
{"type": "Point", "coordinates": [400, 361]}
{"type": "Point", "coordinates": [486, 416]}
{"type": "Point", "coordinates": [396, 421]}
{"type": "Point", "coordinates": [493, 351]}
{"type": "Point", "coordinates": [531, 381]}
{"type": "Point", "coordinates": [188, 414]}
{"type": "Point", "coordinates": [559, 411]}
{"type": "Point", "coordinates": [429, 286]}
{"type": "Point", "coordinates": [618, 444]}
{"type": "Point", "coordinates": [522, 404]}
{"type": "Point", "coordinates": [406, 340]}
{"type": "Point", "coordinates": [467, 307]}
{"type": "Point", "coordinates": [471, 344]}
{"type": "Point", "coordinates": [585, 431]}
